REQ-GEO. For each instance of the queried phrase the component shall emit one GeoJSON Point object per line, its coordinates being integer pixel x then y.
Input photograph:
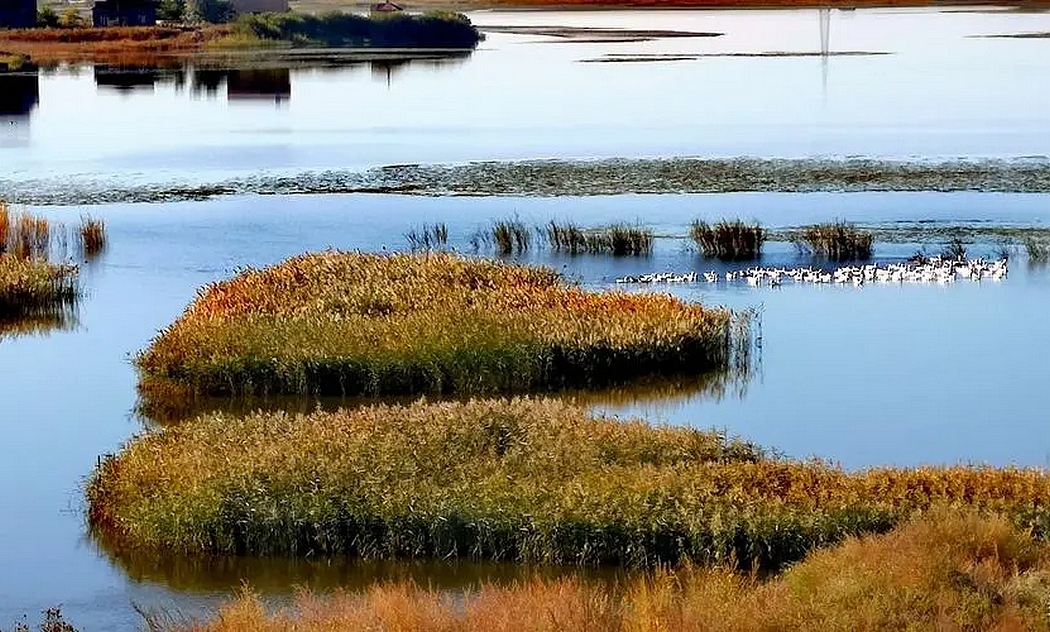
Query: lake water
{"type": "Point", "coordinates": [876, 375]}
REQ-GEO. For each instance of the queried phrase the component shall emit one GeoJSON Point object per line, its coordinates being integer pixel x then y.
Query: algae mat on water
{"type": "Point", "coordinates": [530, 480]}
{"type": "Point", "coordinates": [357, 324]}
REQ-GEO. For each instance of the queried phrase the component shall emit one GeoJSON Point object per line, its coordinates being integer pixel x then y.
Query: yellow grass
{"type": "Point", "coordinates": [520, 480]}
{"type": "Point", "coordinates": [347, 324]}
{"type": "Point", "coordinates": [947, 571]}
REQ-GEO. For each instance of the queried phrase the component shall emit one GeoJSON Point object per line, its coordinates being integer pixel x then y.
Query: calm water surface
{"type": "Point", "coordinates": [891, 375]}
{"type": "Point", "coordinates": [940, 92]}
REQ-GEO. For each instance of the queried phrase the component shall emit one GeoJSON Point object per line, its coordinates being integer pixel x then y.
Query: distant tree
{"type": "Point", "coordinates": [171, 10]}
{"type": "Point", "coordinates": [47, 17]}
{"type": "Point", "coordinates": [71, 19]}
{"type": "Point", "coordinates": [214, 11]}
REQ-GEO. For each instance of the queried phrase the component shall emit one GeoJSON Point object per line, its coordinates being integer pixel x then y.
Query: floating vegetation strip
{"type": "Point", "coordinates": [728, 240]}
{"type": "Point", "coordinates": [349, 324]}
{"type": "Point", "coordinates": [976, 572]}
{"type": "Point", "coordinates": [519, 480]}
{"type": "Point", "coordinates": [566, 177]}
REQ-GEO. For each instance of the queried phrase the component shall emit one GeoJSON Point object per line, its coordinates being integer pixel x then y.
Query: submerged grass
{"type": "Point", "coordinates": [428, 237]}
{"type": "Point", "coordinates": [728, 240]}
{"type": "Point", "coordinates": [1038, 250]}
{"type": "Point", "coordinates": [838, 241]}
{"type": "Point", "coordinates": [516, 480]}
{"type": "Point", "coordinates": [946, 571]}
{"type": "Point", "coordinates": [619, 240]}
{"type": "Point", "coordinates": [92, 236]}
{"type": "Point", "coordinates": [357, 324]}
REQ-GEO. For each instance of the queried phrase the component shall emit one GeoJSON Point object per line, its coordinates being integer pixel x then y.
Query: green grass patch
{"type": "Point", "coordinates": [435, 29]}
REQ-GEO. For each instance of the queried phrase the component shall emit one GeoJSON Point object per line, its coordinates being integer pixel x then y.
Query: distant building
{"type": "Point", "coordinates": [260, 6]}
{"type": "Point", "coordinates": [386, 7]}
{"type": "Point", "coordinates": [17, 14]}
{"type": "Point", "coordinates": [124, 13]}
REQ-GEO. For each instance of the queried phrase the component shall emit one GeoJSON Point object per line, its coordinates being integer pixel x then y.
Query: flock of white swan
{"type": "Point", "coordinates": [937, 270]}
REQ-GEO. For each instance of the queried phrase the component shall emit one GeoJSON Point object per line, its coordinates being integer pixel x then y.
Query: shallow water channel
{"type": "Point", "coordinates": [864, 376]}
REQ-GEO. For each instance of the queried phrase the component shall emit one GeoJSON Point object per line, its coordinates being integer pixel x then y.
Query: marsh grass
{"type": "Point", "coordinates": [92, 236]}
{"type": "Point", "coordinates": [838, 241]}
{"type": "Point", "coordinates": [1038, 250]}
{"type": "Point", "coordinates": [619, 240]}
{"type": "Point", "coordinates": [954, 250]}
{"type": "Point", "coordinates": [35, 289]}
{"type": "Point", "coordinates": [428, 237]}
{"type": "Point", "coordinates": [356, 324]}
{"type": "Point", "coordinates": [510, 236]}
{"type": "Point", "coordinates": [728, 240]}
{"type": "Point", "coordinates": [949, 570]}
{"type": "Point", "coordinates": [520, 480]}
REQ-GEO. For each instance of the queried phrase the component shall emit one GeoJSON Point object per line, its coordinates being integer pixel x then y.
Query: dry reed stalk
{"type": "Point", "coordinates": [949, 570]}
{"type": "Point", "coordinates": [92, 236]}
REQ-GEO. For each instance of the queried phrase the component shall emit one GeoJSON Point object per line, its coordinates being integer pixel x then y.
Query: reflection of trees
{"type": "Point", "coordinates": [125, 78]}
{"type": "Point", "coordinates": [263, 83]}
{"type": "Point", "coordinates": [19, 93]}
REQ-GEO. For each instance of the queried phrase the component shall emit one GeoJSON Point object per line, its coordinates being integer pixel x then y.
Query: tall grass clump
{"type": "Point", "coordinates": [954, 250]}
{"type": "Point", "coordinates": [516, 480]}
{"type": "Point", "coordinates": [428, 237]}
{"type": "Point", "coordinates": [1038, 250]}
{"type": "Point", "coordinates": [34, 287]}
{"type": "Point", "coordinates": [357, 324]}
{"type": "Point", "coordinates": [728, 240]}
{"type": "Point", "coordinates": [950, 570]}
{"type": "Point", "coordinates": [92, 236]}
{"type": "Point", "coordinates": [619, 240]}
{"type": "Point", "coordinates": [510, 236]}
{"type": "Point", "coordinates": [837, 241]}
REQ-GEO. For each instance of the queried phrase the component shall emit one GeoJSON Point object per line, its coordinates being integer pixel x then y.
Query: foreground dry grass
{"type": "Point", "coordinates": [347, 324]}
{"type": "Point", "coordinates": [519, 480]}
{"type": "Point", "coordinates": [947, 571]}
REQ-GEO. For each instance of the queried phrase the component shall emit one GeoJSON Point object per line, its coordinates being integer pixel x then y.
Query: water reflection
{"type": "Point", "coordinates": [19, 93]}
{"type": "Point", "coordinates": [39, 324]}
{"type": "Point", "coordinates": [248, 80]}
{"type": "Point", "coordinates": [19, 96]}
{"type": "Point", "coordinates": [259, 84]}
{"type": "Point", "coordinates": [276, 574]}
{"type": "Point", "coordinates": [162, 403]}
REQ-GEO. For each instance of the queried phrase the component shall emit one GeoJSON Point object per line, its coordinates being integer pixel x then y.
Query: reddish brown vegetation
{"type": "Point", "coordinates": [115, 45]}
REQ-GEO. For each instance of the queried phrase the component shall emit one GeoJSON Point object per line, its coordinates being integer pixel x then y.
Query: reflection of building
{"type": "Point", "coordinates": [124, 13]}
{"type": "Point", "coordinates": [19, 93]}
{"type": "Point", "coordinates": [272, 84]}
{"type": "Point", "coordinates": [260, 6]}
{"type": "Point", "coordinates": [17, 14]}
{"type": "Point", "coordinates": [125, 79]}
